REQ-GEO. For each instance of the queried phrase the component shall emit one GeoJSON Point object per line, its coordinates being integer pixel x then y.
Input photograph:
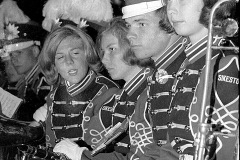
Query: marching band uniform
{"type": "Point", "coordinates": [118, 107]}
{"type": "Point", "coordinates": [143, 138]}
{"type": "Point", "coordinates": [66, 106]}
{"type": "Point", "coordinates": [174, 105]}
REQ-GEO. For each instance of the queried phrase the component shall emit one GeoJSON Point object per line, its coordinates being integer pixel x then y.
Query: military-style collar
{"type": "Point", "coordinates": [166, 58]}
{"type": "Point", "coordinates": [174, 50]}
{"type": "Point", "coordinates": [137, 80]}
{"type": "Point", "coordinates": [79, 87]}
{"type": "Point", "coordinates": [197, 50]}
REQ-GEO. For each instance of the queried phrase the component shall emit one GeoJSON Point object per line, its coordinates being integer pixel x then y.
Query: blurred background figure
{"type": "Point", "coordinates": [21, 41]}
{"type": "Point", "coordinates": [22, 44]}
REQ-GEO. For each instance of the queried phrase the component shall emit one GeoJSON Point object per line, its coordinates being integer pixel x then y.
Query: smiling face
{"type": "Point", "coordinates": [70, 60]}
{"type": "Point", "coordinates": [146, 37]}
{"type": "Point", "coordinates": [184, 16]}
{"type": "Point", "coordinates": [113, 57]}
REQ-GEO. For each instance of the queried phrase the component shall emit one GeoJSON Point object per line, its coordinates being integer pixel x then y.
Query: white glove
{"type": "Point", "coordinates": [41, 113]}
{"type": "Point", "coordinates": [70, 149]}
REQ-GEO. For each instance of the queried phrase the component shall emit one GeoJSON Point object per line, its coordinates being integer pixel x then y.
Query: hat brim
{"type": "Point", "coordinates": [141, 8]}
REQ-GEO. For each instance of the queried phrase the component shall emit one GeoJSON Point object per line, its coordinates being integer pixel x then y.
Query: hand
{"type": "Point", "coordinates": [70, 149]}
{"type": "Point", "coordinates": [40, 114]}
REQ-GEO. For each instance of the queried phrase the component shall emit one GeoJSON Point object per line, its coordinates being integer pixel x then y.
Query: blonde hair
{"type": "Point", "coordinates": [51, 44]}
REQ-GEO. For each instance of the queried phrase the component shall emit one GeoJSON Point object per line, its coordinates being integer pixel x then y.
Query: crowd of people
{"type": "Point", "coordinates": [68, 80]}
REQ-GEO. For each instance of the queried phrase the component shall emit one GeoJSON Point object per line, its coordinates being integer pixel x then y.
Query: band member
{"type": "Point", "coordinates": [70, 63]}
{"type": "Point", "coordinates": [32, 88]}
{"type": "Point", "coordinates": [22, 43]}
{"type": "Point", "coordinates": [191, 18]}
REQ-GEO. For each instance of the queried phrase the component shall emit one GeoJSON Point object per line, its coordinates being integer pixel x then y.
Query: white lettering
{"type": "Point", "coordinates": [107, 108]}
{"type": "Point", "coordinates": [228, 79]}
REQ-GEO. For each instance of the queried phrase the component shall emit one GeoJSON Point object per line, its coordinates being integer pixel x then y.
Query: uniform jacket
{"type": "Point", "coordinates": [144, 140]}
{"type": "Point", "coordinates": [67, 104]}
{"type": "Point", "coordinates": [175, 96]}
{"type": "Point", "coordinates": [119, 106]}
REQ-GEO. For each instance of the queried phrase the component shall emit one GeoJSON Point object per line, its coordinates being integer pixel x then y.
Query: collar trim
{"type": "Point", "coordinates": [79, 87]}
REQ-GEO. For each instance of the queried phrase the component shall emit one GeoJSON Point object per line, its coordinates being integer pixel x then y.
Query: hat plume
{"type": "Point", "coordinates": [74, 10]}
{"type": "Point", "coordinates": [10, 12]}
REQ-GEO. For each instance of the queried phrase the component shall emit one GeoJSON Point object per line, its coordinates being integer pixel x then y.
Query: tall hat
{"type": "Point", "coordinates": [138, 7]}
{"type": "Point", "coordinates": [96, 11]}
{"type": "Point", "coordinates": [17, 32]}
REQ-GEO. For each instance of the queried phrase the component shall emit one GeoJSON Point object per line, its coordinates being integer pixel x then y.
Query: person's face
{"type": "Point", "coordinates": [146, 37]}
{"type": "Point", "coordinates": [23, 60]}
{"type": "Point", "coordinates": [184, 16]}
{"type": "Point", "coordinates": [12, 74]}
{"type": "Point", "coordinates": [113, 57]}
{"type": "Point", "coordinates": [70, 60]}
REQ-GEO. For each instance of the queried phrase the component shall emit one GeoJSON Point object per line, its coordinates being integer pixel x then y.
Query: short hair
{"type": "Point", "coordinates": [51, 44]}
{"type": "Point", "coordinates": [117, 27]}
{"type": "Point", "coordinates": [221, 13]}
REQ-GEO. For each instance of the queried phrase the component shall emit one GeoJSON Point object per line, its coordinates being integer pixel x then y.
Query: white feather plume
{"type": "Point", "coordinates": [74, 10]}
{"type": "Point", "coordinates": [10, 12]}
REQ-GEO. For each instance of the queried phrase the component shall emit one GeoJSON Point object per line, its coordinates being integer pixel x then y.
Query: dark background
{"type": "Point", "coordinates": [33, 9]}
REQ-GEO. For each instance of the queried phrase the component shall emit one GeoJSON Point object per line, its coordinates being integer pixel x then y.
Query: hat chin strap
{"type": "Point", "coordinates": [16, 46]}
{"type": "Point", "coordinates": [141, 8]}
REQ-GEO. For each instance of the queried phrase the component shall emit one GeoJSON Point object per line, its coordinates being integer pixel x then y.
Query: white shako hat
{"type": "Point", "coordinates": [138, 7]}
